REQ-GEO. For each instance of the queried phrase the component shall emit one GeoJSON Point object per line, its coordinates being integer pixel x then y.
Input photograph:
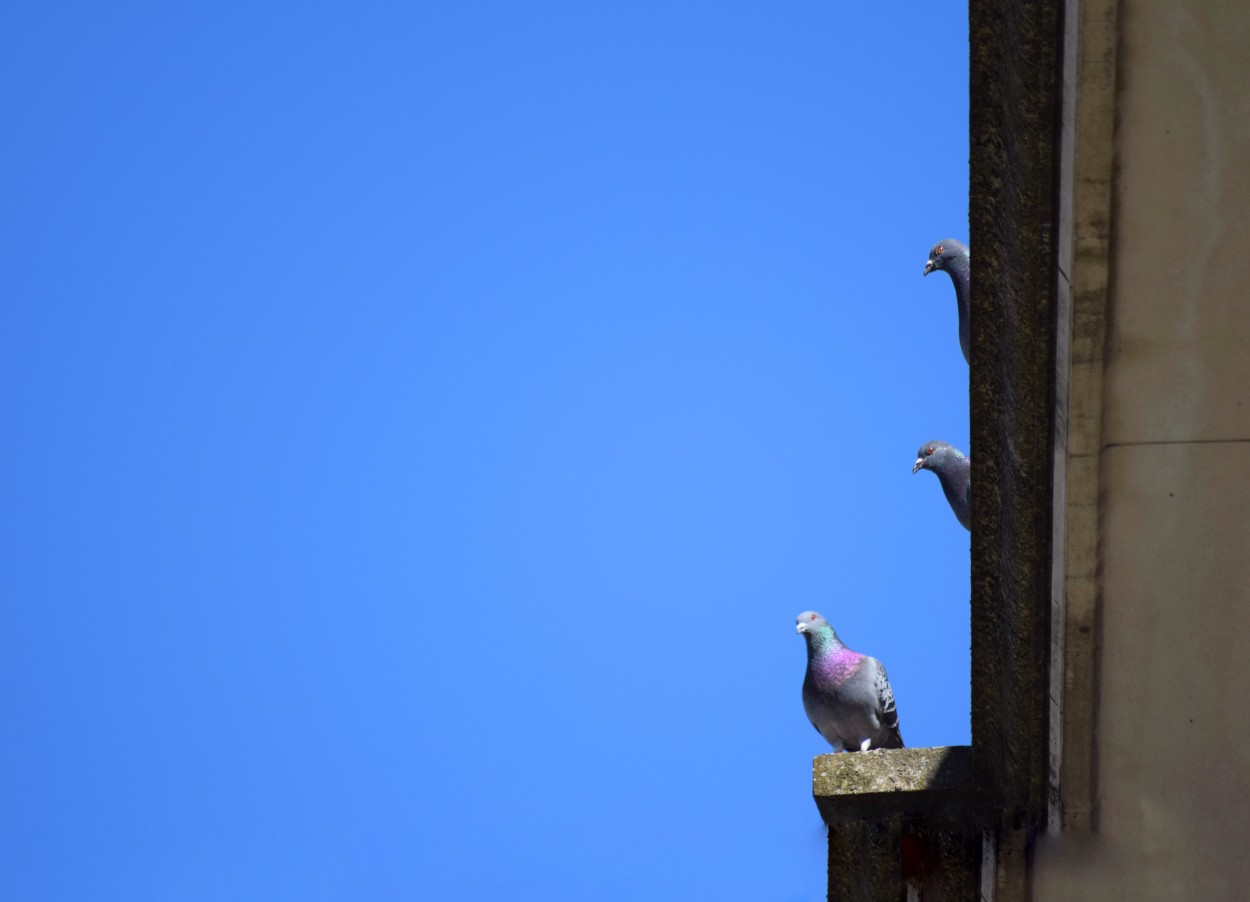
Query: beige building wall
{"type": "Point", "coordinates": [1159, 450]}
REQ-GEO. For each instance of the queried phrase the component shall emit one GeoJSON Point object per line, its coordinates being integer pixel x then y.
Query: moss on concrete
{"type": "Point", "coordinates": [863, 785]}
{"type": "Point", "coordinates": [896, 770]}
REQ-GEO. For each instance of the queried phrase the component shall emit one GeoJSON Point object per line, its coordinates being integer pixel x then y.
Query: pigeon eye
{"type": "Point", "coordinates": [929, 450]}
{"type": "Point", "coordinates": [938, 250]}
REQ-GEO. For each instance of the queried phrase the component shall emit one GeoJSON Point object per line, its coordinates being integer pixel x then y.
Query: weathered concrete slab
{"type": "Point", "coordinates": [892, 781]}
{"type": "Point", "coordinates": [900, 818]}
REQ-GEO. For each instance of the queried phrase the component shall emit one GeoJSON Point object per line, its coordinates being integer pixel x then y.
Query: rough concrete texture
{"type": "Point", "coordinates": [900, 816]}
{"type": "Point", "coordinates": [849, 786]}
{"type": "Point", "coordinates": [881, 858]}
{"type": "Point", "coordinates": [1015, 64]}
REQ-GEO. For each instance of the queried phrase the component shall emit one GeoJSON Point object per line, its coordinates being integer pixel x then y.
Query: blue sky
{"type": "Point", "coordinates": [423, 423]}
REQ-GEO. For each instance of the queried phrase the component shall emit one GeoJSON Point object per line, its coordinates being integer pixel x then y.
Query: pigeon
{"type": "Point", "coordinates": [954, 470]}
{"type": "Point", "coordinates": [952, 257]}
{"type": "Point", "coordinates": [847, 695]}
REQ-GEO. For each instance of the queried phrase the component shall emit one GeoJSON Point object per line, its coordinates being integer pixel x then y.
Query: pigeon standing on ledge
{"type": "Point", "coordinates": [954, 471]}
{"type": "Point", "coordinates": [846, 695]}
{"type": "Point", "coordinates": [951, 256]}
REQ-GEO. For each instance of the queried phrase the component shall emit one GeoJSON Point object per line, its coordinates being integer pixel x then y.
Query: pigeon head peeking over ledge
{"type": "Point", "coordinates": [954, 471]}
{"type": "Point", "coordinates": [952, 257]}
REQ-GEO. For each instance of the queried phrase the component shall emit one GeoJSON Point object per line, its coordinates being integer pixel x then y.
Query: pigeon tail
{"type": "Point", "coordinates": [892, 740]}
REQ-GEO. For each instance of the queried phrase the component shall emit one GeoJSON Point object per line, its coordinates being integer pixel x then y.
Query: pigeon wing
{"type": "Point", "coordinates": [890, 737]}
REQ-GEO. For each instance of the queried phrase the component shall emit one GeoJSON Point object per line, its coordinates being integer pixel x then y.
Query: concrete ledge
{"type": "Point", "coordinates": [903, 823]}
{"type": "Point", "coordinates": [852, 786]}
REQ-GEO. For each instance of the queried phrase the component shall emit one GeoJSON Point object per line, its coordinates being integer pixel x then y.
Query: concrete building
{"type": "Point", "coordinates": [1110, 399]}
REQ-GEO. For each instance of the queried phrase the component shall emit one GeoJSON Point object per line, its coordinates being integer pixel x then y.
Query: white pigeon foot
{"type": "Point", "coordinates": [863, 746]}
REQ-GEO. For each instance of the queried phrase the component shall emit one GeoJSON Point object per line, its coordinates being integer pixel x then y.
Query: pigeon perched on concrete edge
{"type": "Point", "coordinates": [846, 695]}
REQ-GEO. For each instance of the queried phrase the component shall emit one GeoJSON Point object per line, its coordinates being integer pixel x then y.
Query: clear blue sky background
{"type": "Point", "coordinates": [423, 422]}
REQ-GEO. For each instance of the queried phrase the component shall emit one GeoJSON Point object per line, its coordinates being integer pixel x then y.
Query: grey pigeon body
{"type": "Point", "coordinates": [846, 695]}
{"type": "Point", "coordinates": [954, 471]}
{"type": "Point", "coordinates": [951, 256]}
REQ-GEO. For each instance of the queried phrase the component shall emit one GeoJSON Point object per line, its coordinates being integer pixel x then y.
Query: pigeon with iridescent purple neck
{"type": "Point", "coordinates": [846, 695]}
{"type": "Point", "coordinates": [952, 257]}
{"type": "Point", "coordinates": [954, 471]}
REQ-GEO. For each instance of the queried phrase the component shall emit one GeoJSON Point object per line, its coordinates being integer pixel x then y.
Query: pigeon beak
{"type": "Point", "coordinates": [929, 266]}
{"type": "Point", "coordinates": [917, 466]}
{"type": "Point", "coordinates": [801, 628]}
